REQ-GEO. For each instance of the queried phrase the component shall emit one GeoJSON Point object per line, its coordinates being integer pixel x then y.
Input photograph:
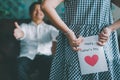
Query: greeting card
{"type": "Point", "coordinates": [91, 57]}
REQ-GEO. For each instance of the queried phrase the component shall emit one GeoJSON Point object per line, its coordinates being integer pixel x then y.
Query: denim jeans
{"type": "Point", "coordinates": [27, 66]}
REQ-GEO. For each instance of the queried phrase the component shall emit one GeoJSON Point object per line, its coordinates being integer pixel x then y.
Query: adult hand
{"type": "Point", "coordinates": [74, 41]}
{"type": "Point", "coordinates": [18, 33]}
{"type": "Point", "coordinates": [104, 36]}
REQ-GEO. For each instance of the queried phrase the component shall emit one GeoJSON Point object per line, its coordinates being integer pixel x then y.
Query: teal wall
{"type": "Point", "coordinates": [14, 8]}
{"type": "Point", "coordinates": [60, 9]}
{"type": "Point", "coordinates": [19, 9]}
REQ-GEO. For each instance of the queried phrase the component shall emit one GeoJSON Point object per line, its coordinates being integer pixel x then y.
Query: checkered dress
{"type": "Point", "coordinates": [86, 18]}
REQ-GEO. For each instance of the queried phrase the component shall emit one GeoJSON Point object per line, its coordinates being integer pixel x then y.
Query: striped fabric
{"type": "Point", "coordinates": [86, 18]}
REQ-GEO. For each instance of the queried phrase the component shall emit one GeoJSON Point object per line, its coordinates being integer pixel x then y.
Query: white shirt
{"type": "Point", "coordinates": [37, 39]}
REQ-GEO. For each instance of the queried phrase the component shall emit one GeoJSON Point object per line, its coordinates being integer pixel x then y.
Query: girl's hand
{"type": "Point", "coordinates": [104, 36]}
{"type": "Point", "coordinates": [73, 40]}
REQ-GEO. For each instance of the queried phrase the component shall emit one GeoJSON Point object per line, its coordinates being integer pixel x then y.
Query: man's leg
{"type": "Point", "coordinates": [44, 65]}
{"type": "Point", "coordinates": [23, 68]}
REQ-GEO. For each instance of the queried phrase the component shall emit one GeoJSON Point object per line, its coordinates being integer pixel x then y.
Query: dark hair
{"type": "Point", "coordinates": [32, 7]}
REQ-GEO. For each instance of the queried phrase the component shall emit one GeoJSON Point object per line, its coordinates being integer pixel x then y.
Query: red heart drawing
{"type": "Point", "coordinates": [91, 60]}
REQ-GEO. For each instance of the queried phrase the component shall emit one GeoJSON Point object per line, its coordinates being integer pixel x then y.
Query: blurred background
{"type": "Point", "coordinates": [18, 10]}
{"type": "Point", "coordinates": [11, 11]}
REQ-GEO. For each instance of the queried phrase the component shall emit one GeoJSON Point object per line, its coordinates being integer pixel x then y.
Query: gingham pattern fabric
{"type": "Point", "coordinates": [86, 18]}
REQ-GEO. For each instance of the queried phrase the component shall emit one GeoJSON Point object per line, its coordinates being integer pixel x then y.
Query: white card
{"type": "Point", "coordinates": [91, 57]}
